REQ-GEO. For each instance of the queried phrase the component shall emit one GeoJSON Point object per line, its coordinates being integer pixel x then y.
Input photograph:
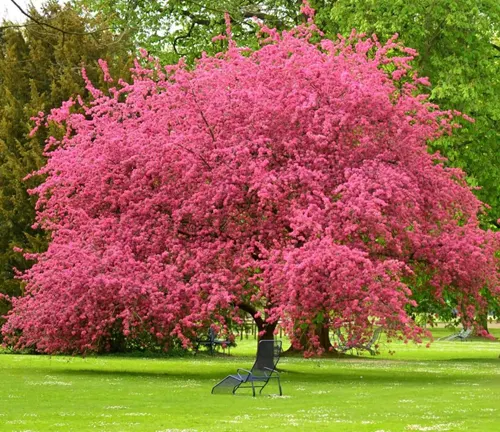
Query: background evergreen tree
{"type": "Point", "coordinates": [40, 67]}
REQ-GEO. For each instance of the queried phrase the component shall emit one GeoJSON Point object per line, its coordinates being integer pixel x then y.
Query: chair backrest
{"type": "Point", "coordinates": [465, 333]}
{"type": "Point", "coordinates": [268, 356]}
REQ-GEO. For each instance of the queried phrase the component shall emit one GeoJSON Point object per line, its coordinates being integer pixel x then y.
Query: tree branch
{"type": "Point", "coordinates": [43, 24]}
{"type": "Point", "coordinates": [245, 307]}
{"type": "Point", "coordinates": [184, 36]}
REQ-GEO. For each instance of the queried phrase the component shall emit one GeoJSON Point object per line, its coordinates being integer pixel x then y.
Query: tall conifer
{"type": "Point", "coordinates": [40, 66]}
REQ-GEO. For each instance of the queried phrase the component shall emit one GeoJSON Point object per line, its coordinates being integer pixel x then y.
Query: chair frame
{"type": "Point", "coordinates": [247, 378]}
{"type": "Point", "coordinates": [368, 346]}
{"type": "Point", "coordinates": [462, 335]}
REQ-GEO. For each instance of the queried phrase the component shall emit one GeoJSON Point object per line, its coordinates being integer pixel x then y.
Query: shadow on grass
{"type": "Point", "coordinates": [319, 376]}
{"type": "Point", "coordinates": [492, 362]}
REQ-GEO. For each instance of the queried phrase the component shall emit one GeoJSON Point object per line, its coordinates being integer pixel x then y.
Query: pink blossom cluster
{"type": "Point", "coordinates": [295, 178]}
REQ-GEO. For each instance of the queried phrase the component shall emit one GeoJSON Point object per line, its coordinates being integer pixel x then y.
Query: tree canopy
{"type": "Point", "coordinates": [292, 181]}
{"type": "Point", "coordinates": [457, 41]}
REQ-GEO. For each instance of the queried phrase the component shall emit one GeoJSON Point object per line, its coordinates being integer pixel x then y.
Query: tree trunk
{"type": "Point", "coordinates": [324, 340]}
{"type": "Point", "coordinates": [262, 325]}
{"type": "Point", "coordinates": [268, 330]}
{"type": "Point", "coordinates": [483, 321]}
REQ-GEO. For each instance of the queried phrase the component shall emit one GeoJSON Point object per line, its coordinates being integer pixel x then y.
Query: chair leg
{"type": "Point", "coordinates": [253, 389]}
{"type": "Point", "coordinates": [279, 385]}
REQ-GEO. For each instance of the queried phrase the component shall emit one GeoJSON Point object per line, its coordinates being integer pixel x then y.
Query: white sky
{"type": "Point", "coordinates": [9, 11]}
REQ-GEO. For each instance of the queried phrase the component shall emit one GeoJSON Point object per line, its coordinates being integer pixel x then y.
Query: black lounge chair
{"type": "Point", "coordinates": [263, 370]}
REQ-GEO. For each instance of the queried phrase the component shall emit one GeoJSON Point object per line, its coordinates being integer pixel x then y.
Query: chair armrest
{"type": "Point", "coordinates": [272, 370]}
{"type": "Point", "coordinates": [244, 378]}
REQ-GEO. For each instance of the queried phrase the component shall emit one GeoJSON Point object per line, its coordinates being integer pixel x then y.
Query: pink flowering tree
{"type": "Point", "coordinates": [292, 183]}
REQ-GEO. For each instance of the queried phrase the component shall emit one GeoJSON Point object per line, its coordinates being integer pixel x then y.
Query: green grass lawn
{"type": "Point", "coordinates": [451, 386]}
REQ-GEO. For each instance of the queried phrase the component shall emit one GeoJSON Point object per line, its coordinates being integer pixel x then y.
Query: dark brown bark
{"type": "Point", "coordinates": [324, 339]}
{"type": "Point", "coordinates": [262, 325]}
{"type": "Point", "coordinates": [268, 330]}
{"type": "Point", "coordinates": [483, 321]}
